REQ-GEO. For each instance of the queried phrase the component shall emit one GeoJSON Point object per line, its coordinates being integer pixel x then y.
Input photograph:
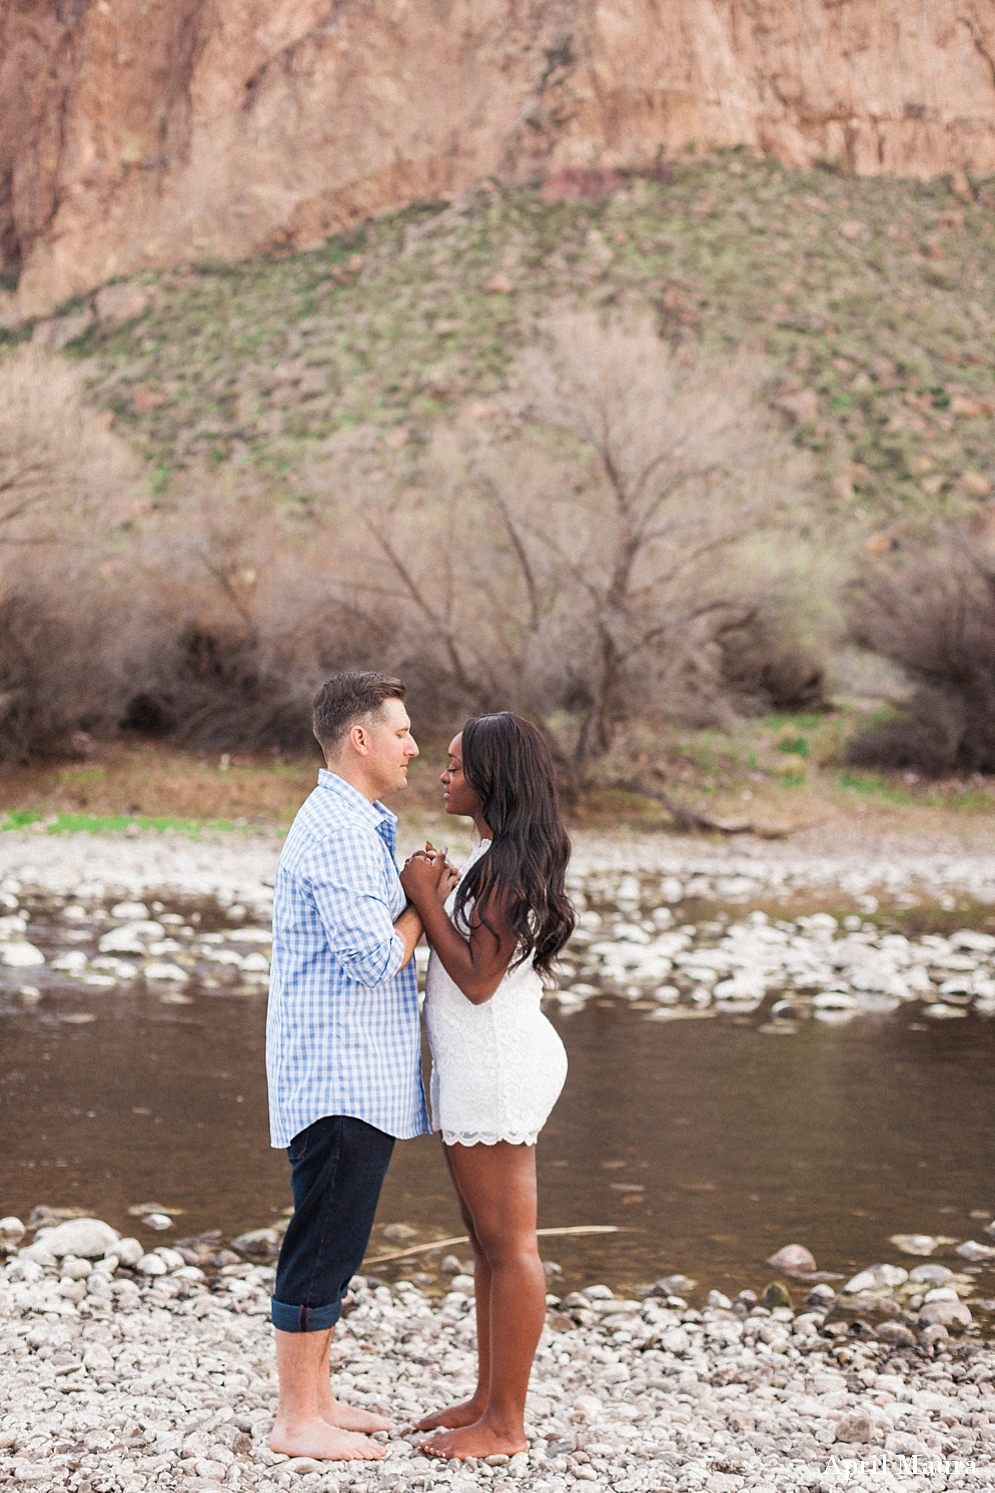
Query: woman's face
{"type": "Point", "coordinates": [458, 796]}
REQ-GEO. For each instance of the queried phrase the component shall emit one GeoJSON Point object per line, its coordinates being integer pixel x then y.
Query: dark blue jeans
{"type": "Point", "coordinates": [337, 1169]}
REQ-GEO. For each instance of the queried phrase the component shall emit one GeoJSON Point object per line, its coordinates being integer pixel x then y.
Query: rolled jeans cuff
{"type": "Point", "coordinates": [304, 1318]}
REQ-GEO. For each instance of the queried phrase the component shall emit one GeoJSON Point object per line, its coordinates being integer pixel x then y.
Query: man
{"type": "Point", "coordinates": [343, 1052]}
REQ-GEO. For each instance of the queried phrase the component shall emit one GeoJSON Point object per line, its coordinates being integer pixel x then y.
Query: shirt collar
{"type": "Point", "coordinates": [376, 814]}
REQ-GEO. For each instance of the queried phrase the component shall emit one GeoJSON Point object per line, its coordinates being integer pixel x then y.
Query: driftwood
{"type": "Point", "coordinates": [691, 821]}
{"type": "Point", "coordinates": [427, 1249]}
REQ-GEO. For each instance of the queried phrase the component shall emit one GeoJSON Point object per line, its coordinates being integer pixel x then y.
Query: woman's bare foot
{"type": "Point", "coordinates": [453, 1417]}
{"type": "Point", "coordinates": [478, 1440]}
{"type": "Point", "coordinates": [316, 1438]}
{"type": "Point", "coordinates": [351, 1418]}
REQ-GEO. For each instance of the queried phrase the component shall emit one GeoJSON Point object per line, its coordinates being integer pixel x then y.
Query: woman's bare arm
{"type": "Point", "coordinates": [477, 964]}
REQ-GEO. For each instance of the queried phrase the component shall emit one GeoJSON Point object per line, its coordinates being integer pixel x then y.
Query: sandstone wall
{"type": "Point", "coordinates": [136, 133]}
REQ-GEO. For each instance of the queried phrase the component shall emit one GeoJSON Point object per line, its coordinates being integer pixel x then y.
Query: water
{"type": "Point", "coordinates": [708, 1143]}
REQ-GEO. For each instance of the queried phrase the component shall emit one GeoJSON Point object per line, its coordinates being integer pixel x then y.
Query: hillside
{"type": "Point", "coordinates": [873, 300]}
{"type": "Point", "coordinates": [137, 135]}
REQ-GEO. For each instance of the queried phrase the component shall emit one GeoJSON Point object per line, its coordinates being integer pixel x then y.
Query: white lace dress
{"type": "Point", "coordinates": [497, 1068]}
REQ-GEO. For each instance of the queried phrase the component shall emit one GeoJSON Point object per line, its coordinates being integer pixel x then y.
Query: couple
{"type": "Point", "coordinates": [343, 1048]}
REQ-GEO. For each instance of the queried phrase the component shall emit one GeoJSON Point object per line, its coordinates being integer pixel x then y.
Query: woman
{"type": "Point", "coordinates": [497, 1064]}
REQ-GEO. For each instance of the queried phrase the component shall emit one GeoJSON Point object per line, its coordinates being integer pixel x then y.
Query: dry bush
{"type": "Point", "coordinates": [66, 483]}
{"type": "Point", "coordinates": [60, 464]}
{"type": "Point", "coordinates": [782, 655]}
{"type": "Point", "coordinates": [574, 551]}
{"type": "Point", "coordinates": [688, 467]}
{"type": "Point", "coordinates": [935, 618]}
{"type": "Point", "coordinates": [242, 601]}
{"type": "Point", "coordinates": [572, 558]}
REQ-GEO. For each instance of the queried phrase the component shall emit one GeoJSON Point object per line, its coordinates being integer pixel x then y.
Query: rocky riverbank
{"type": "Point", "coordinates": [72, 918]}
{"type": "Point", "coordinates": [123, 1371]}
{"type": "Point", "coordinates": [239, 866]}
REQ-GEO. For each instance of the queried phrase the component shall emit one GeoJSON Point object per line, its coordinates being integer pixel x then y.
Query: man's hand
{"type": "Point", "coordinates": [427, 873]}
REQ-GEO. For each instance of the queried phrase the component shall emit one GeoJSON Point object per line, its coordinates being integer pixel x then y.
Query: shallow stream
{"type": "Point", "coordinates": [740, 1079]}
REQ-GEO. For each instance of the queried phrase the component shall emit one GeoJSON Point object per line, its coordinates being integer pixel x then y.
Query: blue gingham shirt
{"type": "Point", "coordinates": [342, 1027]}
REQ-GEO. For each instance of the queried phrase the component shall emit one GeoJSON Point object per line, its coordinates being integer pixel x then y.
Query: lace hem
{"type": "Point", "coordinates": [489, 1137]}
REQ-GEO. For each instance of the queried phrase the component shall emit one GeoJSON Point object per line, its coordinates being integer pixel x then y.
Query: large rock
{"type": "Point", "coordinates": [855, 1426]}
{"type": "Point", "coordinates": [876, 1278]}
{"type": "Point", "coordinates": [88, 1238]}
{"type": "Point", "coordinates": [945, 1314]}
{"type": "Point", "coordinates": [793, 1259]}
{"type": "Point", "coordinates": [149, 132]}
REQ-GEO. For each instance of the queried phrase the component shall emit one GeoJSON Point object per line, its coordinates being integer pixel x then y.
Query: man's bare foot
{"type": "Point", "coordinates": [350, 1418]}
{"type": "Point", "coordinates": [478, 1440]}
{"type": "Point", "coordinates": [316, 1438]}
{"type": "Point", "coordinates": [453, 1417]}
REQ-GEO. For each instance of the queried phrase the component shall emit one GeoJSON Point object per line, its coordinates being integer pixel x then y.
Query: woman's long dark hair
{"type": "Point", "coordinates": [509, 767]}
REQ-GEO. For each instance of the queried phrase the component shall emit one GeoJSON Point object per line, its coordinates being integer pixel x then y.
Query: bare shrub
{"type": "Point", "coordinates": [935, 618]}
{"type": "Point", "coordinates": [575, 550]}
{"type": "Point", "coordinates": [688, 466]}
{"type": "Point", "coordinates": [781, 654]}
{"type": "Point", "coordinates": [249, 601]}
{"type": "Point", "coordinates": [60, 463]}
{"type": "Point", "coordinates": [66, 481]}
{"type": "Point", "coordinates": [575, 561]}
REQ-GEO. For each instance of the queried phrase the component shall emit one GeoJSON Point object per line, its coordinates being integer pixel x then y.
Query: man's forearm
{"type": "Point", "coordinates": [409, 930]}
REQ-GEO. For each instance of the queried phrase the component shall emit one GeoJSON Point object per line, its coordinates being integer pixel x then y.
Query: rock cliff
{"type": "Point", "coordinates": [138, 133]}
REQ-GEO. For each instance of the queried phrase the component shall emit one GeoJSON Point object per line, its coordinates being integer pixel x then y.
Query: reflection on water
{"type": "Point", "coordinates": [710, 1143]}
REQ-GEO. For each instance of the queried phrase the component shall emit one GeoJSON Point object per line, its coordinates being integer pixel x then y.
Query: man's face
{"type": "Point", "coordinates": [391, 747]}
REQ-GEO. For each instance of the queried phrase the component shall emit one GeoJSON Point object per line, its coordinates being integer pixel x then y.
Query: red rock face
{"type": "Point", "coordinates": [137, 133]}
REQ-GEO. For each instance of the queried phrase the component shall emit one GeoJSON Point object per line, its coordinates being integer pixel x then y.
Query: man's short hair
{"type": "Point", "coordinates": [349, 700]}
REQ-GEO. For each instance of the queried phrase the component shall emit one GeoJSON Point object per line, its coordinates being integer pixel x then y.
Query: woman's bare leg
{"type": "Point", "coordinates": [498, 1186]}
{"type": "Point", "coordinates": [470, 1411]}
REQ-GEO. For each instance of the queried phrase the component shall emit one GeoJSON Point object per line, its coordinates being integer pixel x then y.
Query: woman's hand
{"type": "Point", "coordinates": [477, 963]}
{"type": "Point", "coordinates": [424, 875]}
{"type": "Point", "coordinates": [450, 875]}
{"type": "Point", "coordinates": [447, 881]}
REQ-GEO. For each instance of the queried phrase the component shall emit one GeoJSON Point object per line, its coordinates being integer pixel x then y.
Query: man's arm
{"type": "Point", "coordinates": [345, 876]}
{"type": "Point", "coordinates": [408, 928]}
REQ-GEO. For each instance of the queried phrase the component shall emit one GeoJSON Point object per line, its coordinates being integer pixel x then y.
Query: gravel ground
{"type": "Point", "coordinates": [114, 1380]}
{"type": "Point", "coordinates": [241, 866]}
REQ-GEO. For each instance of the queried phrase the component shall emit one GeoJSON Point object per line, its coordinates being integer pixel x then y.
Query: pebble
{"type": "Point", "coordinates": [85, 1237]}
{"type": "Point", "coordinates": [915, 1244]}
{"type": "Point", "coordinates": [793, 1257]}
{"type": "Point", "coordinates": [936, 1275]}
{"type": "Point", "coordinates": [157, 1221]}
{"type": "Point", "coordinates": [12, 1230]}
{"type": "Point", "coordinates": [21, 955]}
{"type": "Point", "coordinates": [152, 1264]}
{"type": "Point", "coordinates": [945, 1314]}
{"type": "Point", "coordinates": [971, 1250]}
{"type": "Point", "coordinates": [875, 1277]}
{"type": "Point", "coordinates": [167, 1381]}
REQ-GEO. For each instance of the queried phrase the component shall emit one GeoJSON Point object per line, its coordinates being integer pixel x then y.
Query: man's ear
{"type": "Point", "coordinates": [359, 740]}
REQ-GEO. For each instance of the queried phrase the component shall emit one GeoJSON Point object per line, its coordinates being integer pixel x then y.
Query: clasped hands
{"type": "Point", "coordinates": [426, 872]}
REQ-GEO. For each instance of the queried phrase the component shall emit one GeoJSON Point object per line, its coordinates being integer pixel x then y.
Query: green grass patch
{"type": "Point", "coordinates": [870, 784]}
{"type": "Point", "coordinates": [96, 824]}
{"type": "Point", "coordinates": [795, 724]}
